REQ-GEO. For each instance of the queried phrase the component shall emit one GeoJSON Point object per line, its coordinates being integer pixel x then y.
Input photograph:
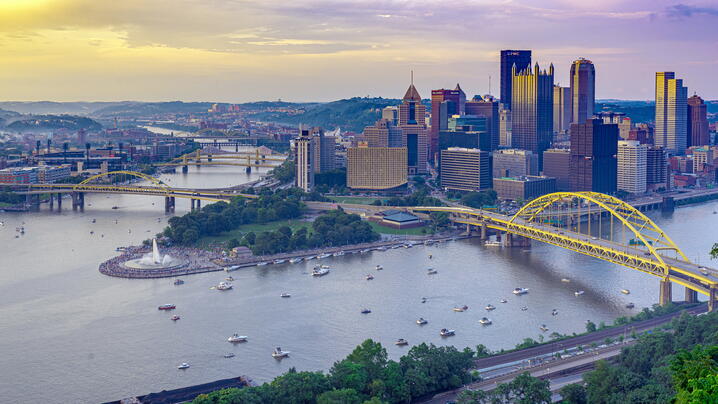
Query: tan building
{"type": "Point", "coordinates": [376, 168]}
{"type": "Point", "coordinates": [524, 187]}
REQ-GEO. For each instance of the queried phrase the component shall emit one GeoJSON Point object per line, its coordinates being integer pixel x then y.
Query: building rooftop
{"type": "Point", "coordinates": [401, 217]}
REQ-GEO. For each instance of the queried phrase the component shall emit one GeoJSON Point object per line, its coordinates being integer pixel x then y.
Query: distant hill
{"type": "Point", "coordinates": [638, 111]}
{"type": "Point", "coordinates": [55, 108]}
{"type": "Point", "coordinates": [42, 123]}
{"type": "Point", "coordinates": [133, 109]}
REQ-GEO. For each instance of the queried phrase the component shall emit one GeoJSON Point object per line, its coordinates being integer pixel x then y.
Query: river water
{"type": "Point", "coordinates": [71, 334]}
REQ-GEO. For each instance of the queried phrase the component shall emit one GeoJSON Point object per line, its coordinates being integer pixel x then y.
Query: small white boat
{"type": "Point", "coordinates": [237, 338]}
{"type": "Point", "coordinates": [369, 277]}
{"type": "Point", "coordinates": [229, 278]}
{"type": "Point", "coordinates": [295, 260]}
{"type": "Point", "coordinates": [184, 365]}
{"type": "Point", "coordinates": [229, 355]}
{"type": "Point", "coordinates": [261, 264]}
{"type": "Point", "coordinates": [280, 261]}
{"type": "Point", "coordinates": [431, 271]}
{"type": "Point", "coordinates": [485, 321]}
{"type": "Point", "coordinates": [520, 291]}
{"type": "Point", "coordinates": [431, 256]}
{"type": "Point", "coordinates": [285, 295]}
{"type": "Point", "coordinates": [543, 328]}
{"type": "Point", "coordinates": [401, 342]}
{"type": "Point", "coordinates": [175, 318]}
{"type": "Point", "coordinates": [554, 312]}
{"type": "Point", "coordinates": [231, 268]}
{"type": "Point", "coordinates": [490, 307]}
{"type": "Point", "coordinates": [565, 280]}
{"type": "Point", "coordinates": [492, 243]}
{"type": "Point", "coordinates": [625, 291]}
{"type": "Point", "coordinates": [503, 301]}
{"type": "Point", "coordinates": [461, 308]}
{"type": "Point", "coordinates": [178, 281]}
{"type": "Point", "coordinates": [224, 286]}
{"type": "Point", "coordinates": [322, 256]}
{"type": "Point", "coordinates": [320, 271]}
{"type": "Point", "coordinates": [378, 267]}
{"type": "Point", "coordinates": [421, 321]}
{"type": "Point", "coordinates": [524, 308]}
{"type": "Point", "coordinates": [579, 292]}
{"type": "Point", "coordinates": [445, 332]}
{"type": "Point", "coordinates": [279, 354]}
{"type": "Point", "coordinates": [339, 253]}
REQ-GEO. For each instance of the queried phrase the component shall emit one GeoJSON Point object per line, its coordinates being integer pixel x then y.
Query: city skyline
{"type": "Point", "coordinates": [72, 50]}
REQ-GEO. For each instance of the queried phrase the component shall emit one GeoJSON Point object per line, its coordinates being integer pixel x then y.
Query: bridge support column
{"type": "Point", "coordinates": [712, 299]}
{"type": "Point", "coordinates": [192, 205]}
{"type": "Point", "coordinates": [169, 204]}
{"type": "Point", "coordinates": [185, 169]}
{"type": "Point", "coordinates": [52, 201]}
{"type": "Point", "coordinates": [236, 147]}
{"type": "Point", "coordinates": [199, 204]}
{"type": "Point", "coordinates": [665, 293]}
{"type": "Point", "coordinates": [691, 296]}
{"type": "Point", "coordinates": [59, 201]}
{"type": "Point", "coordinates": [249, 169]}
{"type": "Point", "coordinates": [209, 157]}
{"type": "Point", "coordinates": [484, 231]}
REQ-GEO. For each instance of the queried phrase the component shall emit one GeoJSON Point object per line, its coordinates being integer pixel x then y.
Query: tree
{"type": "Point", "coordinates": [342, 396]}
{"type": "Point", "coordinates": [573, 394]}
{"type": "Point", "coordinates": [590, 326]}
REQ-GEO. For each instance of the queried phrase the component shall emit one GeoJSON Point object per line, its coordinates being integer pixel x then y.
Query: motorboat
{"type": "Point", "coordinates": [431, 256]}
{"type": "Point", "coordinates": [554, 312]}
{"type": "Point", "coordinates": [279, 354]}
{"type": "Point", "coordinates": [261, 264]}
{"type": "Point", "coordinates": [625, 291]}
{"type": "Point", "coordinates": [364, 251]}
{"type": "Point", "coordinates": [339, 253]}
{"type": "Point", "coordinates": [117, 207]}
{"type": "Point", "coordinates": [94, 220]}
{"type": "Point", "coordinates": [401, 342]}
{"type": "Point", "coordinates": [431, 271]}
{"type": "Point", "coordinates": [224, 286]}
{"type": "Point", "coordinates": [178, 282]}
{"type": "Point", "coordinates": [503, 301]}
{"type": "Point", "coordinates": [320, 271]}
{"type": "Point", "coordinates": [485, 321]}
{"type": "Point", "coordinates": [369, 277]}
{"type": "Point", "coordinates": [565, 280]}
{"type": "Point", "coordinates": [322, 256]}
{"type": "Point", "coordinates": [378, 267]}
{"type": "Point", "coordinates": [280, 261]}
{"type": "Point", "coordinates": [231, 268]}
{"type": "Point", "coordinates": [296, 260]}
{"type": "Point", "coordinates": [492, 243]}
{"type": "Point", "coordinates": [229, 355]}
{"type": "Point", "coordinates": [237, 338]}
{"type": "Point", "coordinates": [543, 328]}
{"type": "Point", "coordinates": [183, 365]}
{"type": "Point", "coordinates": [461, 309]}
{"type": "Point", "coordinates": [381, 248]}
{"type": "Point", "coordinates": [229, 278]}
{"type": "Point", "coordinates": [445, 332]}
{"type": "Point", "coordinates": [421, 321]}
{"type": "Point", "coordinates": [520, 291]}
{"type": "Point", "coordinates": [365, 311]}
{"type": "Point", "coordinates": [175, 318]}
{"type": "Point", "coordinates": [167, 307]}
{"type": "Point", "coordinates": [579, 292]}
{"type": "Point", "coordinates": [285, 294]}
{"type": "Point", "coordinates": [490, 307]}
{"type": "Point", "coordinates": [423, 300]}
{"type": "Point", "coordinates": [524, 308]}
{"type": "Point", "coordinates": [630, 305]}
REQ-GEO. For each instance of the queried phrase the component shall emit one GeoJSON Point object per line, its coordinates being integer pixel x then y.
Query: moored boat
{"type": "Point", "coordinates": [503, 301]}
{"type": "Point", "coordinates": [280, 261]}
{"type": "Point", "coordinates": [178, 281]}
{"type": "Point", "coordinates": [520, 291]}
{"type": "Point", "coordinates": [630, 305]}
{"type": "Point", "coordinates": [295, 260]}
{"type": "Point", "coordinates": [167, 307]}
{"type": "Point", "coordinates": [625, 291]}
{"type": "Point", "coordinates": [554, 312]}
{"type": "Point", "coordinates": [421, 321]}
{"type": "Point", "coordinates": [279, 354]}
{"type": "Point", "coordinates": [543, 328]}
{"type": "Point", "coordinates": [378, 267]}
{"type": "Point", "coordinates": [445, 332]}
{"type": "Point", "coordinates": [285, 294]}
{"type": "Point", "coordinates": [492, 243]}
{"type": "Point", "coordinates": [224, 286]}
{"type": "Point", "coordinates": [579, 292]}
{"type": "Point", "coordinates": [431, 271]}
{"type": "Point", "coordinates": [320, 271]}
{"type": "Point", "coordinates": [485, 321]}
{"type": "Point", "coordinates": [237, 338]}
{"type": "Point", "coordinates": [369, 277]}
{"type": "Point", "coordinates": [175, 318]}
{"type": "Point", "coordinates": [183, 365]}
{"type": "Point", "coordinates": [490, 307]}
{"type": "Point", "coordinates": [365, 311]}
{"type": "Point", "coordinates": [461, 308]}
{"type": "Point", "coordinates": [401, 342]}
{"type": "Point", "coordinates": [229, 355]}
{"type": "Point", "coordinates": [231, 268]}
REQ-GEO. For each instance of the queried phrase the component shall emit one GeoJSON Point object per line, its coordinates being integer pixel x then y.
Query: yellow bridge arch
{"type": "Point", "coordinates": [149, 178]}
{"type": "Point", "coordinates": [642, 227]}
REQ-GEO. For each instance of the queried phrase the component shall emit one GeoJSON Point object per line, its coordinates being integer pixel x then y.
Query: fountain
{"type": "Point", "coordinates": [154, 260]}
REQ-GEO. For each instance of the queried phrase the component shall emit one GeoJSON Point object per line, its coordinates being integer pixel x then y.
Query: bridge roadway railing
{"type": "Point", "coordinates": [138, 189]}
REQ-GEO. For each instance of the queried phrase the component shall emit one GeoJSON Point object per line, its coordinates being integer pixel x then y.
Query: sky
{"type": "Point", "coordinates": [323, 50]}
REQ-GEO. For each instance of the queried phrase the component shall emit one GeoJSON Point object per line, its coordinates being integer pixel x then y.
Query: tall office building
{"type": "Point", "coordinates": [324, 149]}
{"type": "Point", "coordinates": [444, 104]}
{"type": "Point", "coordinates": [304, 160]}
{"type": "Point", "coordinates": [376, 168]}
{"type": "Point", "coordinates": [556, 164]}
{"type": "Point", "coordinates": [697, 122]}
{"type": "Point", "coordinates": [504, 127]}
{"type": "Point", "coordinates": [390, 113]}
{"type": "Point", "coordinates": [593, 156]}
{"type": "Point", "coordinates": [656, 168]}
{"type": "Point", "coordinates": [383, 134]}
{"type": "Point", "coordinates": [583, 90]}
{"type": "Point", "coordinates": [532, 109]}
{"type": "Point", "coordinates": [632, 164]}
{"type": "Point", "coordinates": [486, 107]}
{"type": "Point", "coordinates": [510, 58]}
{"type": "Point", "coordinates": [671, 113]}
{"type": "Point", "coordinates": [514, 163]}
{"type": "Point", "coordinates": [413, 125]}
{"type": "Point", "coordinates": [465, 169]}
{"type": "Point", "coordinates": [561, 109]}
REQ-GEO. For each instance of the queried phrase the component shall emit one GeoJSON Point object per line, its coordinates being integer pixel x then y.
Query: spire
{"type": "Point", "coordinates": [458, 88]}
{"type": "Point", "coordinates": [411, 93]}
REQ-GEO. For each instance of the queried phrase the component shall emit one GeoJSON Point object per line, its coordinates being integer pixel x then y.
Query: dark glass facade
{"type": "Point", "coordinates": [412, 145]}
{"type": "Point", "coordinates": [593, 163]}
{"type": "Point", "coordinates": [522, 60]}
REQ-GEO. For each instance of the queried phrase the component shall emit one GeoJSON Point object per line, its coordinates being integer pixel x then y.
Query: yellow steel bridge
{"type": "Point", "coordinates": [203, 158]}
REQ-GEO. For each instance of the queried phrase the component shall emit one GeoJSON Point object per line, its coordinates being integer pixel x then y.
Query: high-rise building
{"type": "Point", "coordinates": [583, 90]}
{"type": "Point", "coordinates": [486, 107]}
{"type": "Point", "coordinates": [656, 168]}
{"type": "Point", "coordinates": [532, 109]}
{"type": "Point", "coordinates": [671, 113]}
{"type": "Point", "coordinates": [514, 163]}
{"type": "Point", "coordinates": [391, 113]}
{"type": "Point", "coordinates": [521, 59]}
{"type": "Point", "coordinates": [556, 164]}
{"type": "Point", "coordinates": [524, 187]}
{"type": "Point", "coordinates": [444, 104]}
{"type": "Point", "coordinates": [324, 154]}
{"type": "Point", "coordinates": [413, 125]}
{"type": "Point", "coordinates": [702, 158]}
{"type": "Point", "coordinates": [697, 122]}
{"type": "Point", "coordinates": [561, 109]}
{"type": "Point", "coordinates": [376, 168]}
{"type": "Point", "coordinates": [304, 160]}
{"type": "Point", "coordinates": [632, 164]}
{"type": "Point", "coordinates": [383, 134]}
{"type": "Point", "coordinates": [465, 169]}
{"type": "Point", "coordinates": [504, 127]}
{"type": "Point", "coordinates": [593, 156]}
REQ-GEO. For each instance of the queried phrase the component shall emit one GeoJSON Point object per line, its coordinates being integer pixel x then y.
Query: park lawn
{"type": "Point", "coordinates": [360, 200]}
{"type": "Point", "coordinates": [237, 233]}
{"type": "Point", "coordinates": [416, 231]}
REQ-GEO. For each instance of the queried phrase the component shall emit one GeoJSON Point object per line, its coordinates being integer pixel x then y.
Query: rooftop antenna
{"type": "Point", "coordinates": [489, 84]}
{"type": "Point", "coordinates": [412, 77]}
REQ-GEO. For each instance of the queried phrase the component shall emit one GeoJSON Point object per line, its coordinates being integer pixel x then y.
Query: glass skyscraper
{"type": "Point", "coordinates": [671, 113]}
{"type": "Point", "coordinates": [509, 58]}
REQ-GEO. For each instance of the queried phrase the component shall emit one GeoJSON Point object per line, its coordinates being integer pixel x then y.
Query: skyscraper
{"type": "Point", "coordinates": [465, 169]}
{"type": "Point", "coordinates": [383, 134]}
{"type": "Point", "coordinates": [671, 113]}
{"type": "Point", "coordinates": [510, 58]}
{"type": "Point", "coordinates": [514, 163]}
{"type": "Point", "coordinates": [532, 109]}
{"type": "Point", "coordinates": [697, 122]}
{"type": "Point", "coordinates": [656, 168]}
{"type": "Point", "coordinates": [583, 90]}
{"type": "Point", "coordinates": [413, 125]}
{"type": "Point", "coordinates": [561, 109]}
{"type": "Point", "coordinates": [487, 107]}
{"type": "Point", "coordinates": [593, 156]}
{"type": "Point", "coordinates": [304, 160]}
{"type": "Point", "coordinates": [556, 164]}
{"type": "Point", "coordinates": [444, 104]}
{"type": "Point", "coordinates": [504, 127]}
{"type": "Point", "coordinates": [376, 168]}
{"type": "Point", "coordinates": [632, 159]}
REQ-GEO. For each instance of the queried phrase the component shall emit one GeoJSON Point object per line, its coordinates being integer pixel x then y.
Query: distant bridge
{"type": "Point", "coordinates": [204, 158]}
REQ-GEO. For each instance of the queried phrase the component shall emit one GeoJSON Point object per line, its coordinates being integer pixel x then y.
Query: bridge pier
{"type": "Point", "coordinates": [185, 169]}
{"type": "Point", "coordinates": [665, 292]}
{"type": "Point", "coordinates": [236, 147]}
{"type": "Point", "coordinates": [169, 204]}
{"type": "Point", "coordinates": [59, 201]}
{"type": "Point", "coordinates": [484, 231]}
{"type": "Point", "coordinates": [249, 169]}
{"type": "Point", "coordinates": [712, 299]}
{"type": "Point", "coordinates": [78, 200]}
{"type": "Point", "coordinates": [691, 296]}
{"type": "Point", "coordinates": [52, 201]}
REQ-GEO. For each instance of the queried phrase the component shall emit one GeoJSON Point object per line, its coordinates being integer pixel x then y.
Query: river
{"type": "Point", "coordinates": [71, 334]}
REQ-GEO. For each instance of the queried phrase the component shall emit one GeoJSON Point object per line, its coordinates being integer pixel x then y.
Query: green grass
{"type": "Point", "coordinates": [416, 231]}
{"type": "Point", "coordinates": [256, 228]}
{"type": "Point", "coordinates": [361, 200]}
